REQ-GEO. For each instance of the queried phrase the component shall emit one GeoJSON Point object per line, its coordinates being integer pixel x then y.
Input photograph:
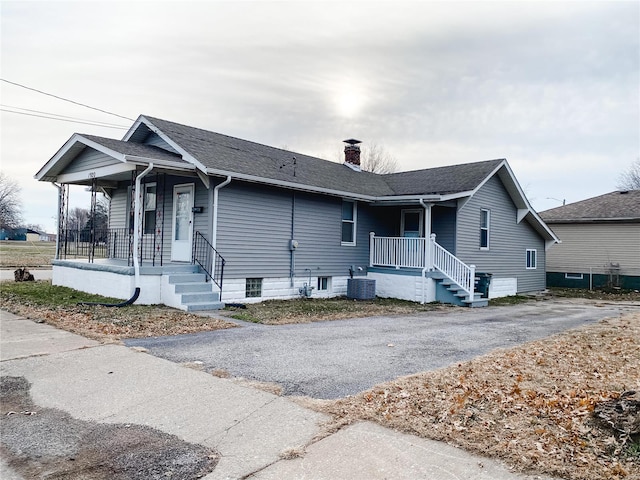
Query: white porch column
{"type": "Point", "coordinates": [427, 234]}
{"type": "Point", "coordinates": [371, 236]}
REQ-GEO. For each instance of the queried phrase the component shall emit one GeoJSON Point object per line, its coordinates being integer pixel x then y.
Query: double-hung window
{"type": "Point", "coordinates": [485, 227]}
{"type": "Point", "coordinates": [532, 260]}
{"type": "Point", "coordinates": [349, 218]}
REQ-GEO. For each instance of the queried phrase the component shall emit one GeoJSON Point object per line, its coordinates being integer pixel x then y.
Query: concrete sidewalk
{"type": "Point", "coordinates": [249, 428]}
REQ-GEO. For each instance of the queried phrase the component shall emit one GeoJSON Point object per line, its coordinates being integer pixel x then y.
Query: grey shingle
{"type": "Point", "coordinates": [619, 205]}
{"type": "Point", "coordinates": [222, 152]}
{"type": "Point", "coordinates": [136, 149]}
{"type": "Point", "coordinates": [441, 180]}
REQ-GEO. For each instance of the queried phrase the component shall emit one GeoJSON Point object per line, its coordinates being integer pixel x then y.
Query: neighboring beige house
{"type": "Point", "coordinates": [600, 242]}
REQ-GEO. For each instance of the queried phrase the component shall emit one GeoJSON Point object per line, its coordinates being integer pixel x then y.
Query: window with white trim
{"type": "Point", "coordinates": [532, 260]}
{"type": "Point", "coordinates": [349, 218]}
{"type": "Point", "coordinates": [324, 284]}
{"type": "Point", "coordinates": [574, 276]}
{"type": "Point", "coordinates": [485, 227]}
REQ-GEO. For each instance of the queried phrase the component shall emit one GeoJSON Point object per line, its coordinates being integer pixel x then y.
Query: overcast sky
{"type": "Point", "coordinates": [551, 86]}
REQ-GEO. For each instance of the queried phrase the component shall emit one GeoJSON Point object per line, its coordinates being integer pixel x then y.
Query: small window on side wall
{"type": "Point", "coordinates": [349, 216]}
{"type": "Point", "coordinates": [323, 284]}
{"type": "Point", "coordinates": [253, 287]}
{"type": "Point", "coordinates": [485, 227]}
{"type": "Point", "coordinates": [532, 259]}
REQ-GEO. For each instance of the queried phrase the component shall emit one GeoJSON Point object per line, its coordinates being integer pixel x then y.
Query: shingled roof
{"type": "Point", "coordinates": [222, 153]}
{"type": "Point", "coordinates": [619, 206]}
{"type": "Point", "coordinates": [217, 152]}
{"type": "Point", "coordinates": [441, 180]}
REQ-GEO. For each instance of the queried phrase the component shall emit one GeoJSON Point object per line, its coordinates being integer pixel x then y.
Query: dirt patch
{"type": "Point", "coordinates": [532, 406]}
{"type": "Point", "coordinates": [48, 443]}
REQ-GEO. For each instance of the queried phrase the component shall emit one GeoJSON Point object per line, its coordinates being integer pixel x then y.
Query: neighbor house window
{"type": "Point", "coordinates": [349, 215]}
{"type": "Point", "coordinates": [574, 276]}
{"type": "Point", "coordinates": [485, 223]}
{"type": "Point", "coordinates": [253, 288]}
{"type": "Point", "coordinates": [149, 220]}
{"type": "Point", "coordinates": [532, 260]}
{"type": "Point", "coordinates": [323, 283]}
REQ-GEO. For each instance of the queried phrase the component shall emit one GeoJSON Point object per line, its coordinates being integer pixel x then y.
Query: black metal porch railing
{"type": "Point", "coordinates": [208, 259]}
{"type": "Point", "coordinates": [114, 243]}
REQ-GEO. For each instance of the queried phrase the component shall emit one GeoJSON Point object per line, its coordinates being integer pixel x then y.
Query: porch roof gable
{"type": "Point", "coordinates": [121, 152]}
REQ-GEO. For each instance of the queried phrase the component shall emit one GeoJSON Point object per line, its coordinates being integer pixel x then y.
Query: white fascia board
{"type": "Point", "coordinates": [185, 155]}
{"type": "Point", "coordinates": [96, 173]}
{"type": "Point", "coordinates": [75, 138]}
{"type": "Point", "coordinates": [167, 164]}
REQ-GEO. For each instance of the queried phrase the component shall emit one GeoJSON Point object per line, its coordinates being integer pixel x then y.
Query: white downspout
{"type": "Point", "coordinates": [136, 224]}
{"type": "Point", "coordinates": [427, 245]}
{"type": "Point", "coordinates": [214, 229]}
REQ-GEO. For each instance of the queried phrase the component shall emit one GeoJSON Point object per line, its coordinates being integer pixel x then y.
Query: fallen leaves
{"type": "Point", "coordinates": [532, 406]}
{"type": "Point", "coordinates": [112, 324]}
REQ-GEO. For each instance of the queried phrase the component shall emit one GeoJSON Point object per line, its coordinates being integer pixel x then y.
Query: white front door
{"type": "Point", "coordinates": [182, 235]}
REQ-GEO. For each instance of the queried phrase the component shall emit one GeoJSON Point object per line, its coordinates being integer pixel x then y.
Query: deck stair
{"type": "Point", "coordinates": [447, 291]}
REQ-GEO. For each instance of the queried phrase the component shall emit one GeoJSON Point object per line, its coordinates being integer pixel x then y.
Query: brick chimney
{"type": "Point", "coordinates": [352, 153]}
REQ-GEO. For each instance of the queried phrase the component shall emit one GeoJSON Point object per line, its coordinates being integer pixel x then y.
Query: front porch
{"type": "Point", "coordinates": [180, 285]}
{"type": "Point", "coordinates": [103, 262]}
{"type": "Point", "coordinates": [419, 269]}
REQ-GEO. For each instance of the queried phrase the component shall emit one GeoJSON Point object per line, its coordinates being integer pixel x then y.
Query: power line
{"type": "Point", "coordinates": [65, 99]}
{"type": "Point", "coordinates": [64, 119]}
{"type": "Point", "coordinates": [54, 115]}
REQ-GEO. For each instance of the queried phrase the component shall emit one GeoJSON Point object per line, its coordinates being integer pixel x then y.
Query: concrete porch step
{"type": "Point", "coordinates": [188, 298]}
{"type": "Point", "coordinates": [199, 307]}
{"type": "Point", "coordinates": [192, 287]}
{"type": "Point", "coordinates": [187, 278]}
{"type": "Point", "coordinates": [194, 292]}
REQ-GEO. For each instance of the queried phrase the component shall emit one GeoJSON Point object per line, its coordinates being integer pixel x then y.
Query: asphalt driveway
{"type": "Point", "coordinates": [338, 358]}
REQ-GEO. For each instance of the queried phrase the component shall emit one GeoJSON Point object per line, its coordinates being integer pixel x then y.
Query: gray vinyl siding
{"type": "Point", "coordinates": [155, 141]}
{"type": "Point", "coordinates": [89, 159]}
{"type": "Point", "coordinates": [254, 228]}
{"type": "Point", "coordinates": [443, 224]}
{"type": "Point", "coordinates": [254, 231]}
{"type": "Point", "coordinates": [318, 229]}
{"type": "Point", "coordinates": [118, 213]}
{"type": "Point", "coordinates": [509, 240]}
{"type": "Point", "coordinates": [595, 247]}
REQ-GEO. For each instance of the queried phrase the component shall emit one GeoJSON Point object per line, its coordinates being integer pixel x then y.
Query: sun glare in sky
{"type": "Point", "coordinates": [349, 100]}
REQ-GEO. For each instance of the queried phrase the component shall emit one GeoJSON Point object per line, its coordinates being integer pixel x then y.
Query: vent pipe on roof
{"type": "Point", "coordinates": [352, 153]}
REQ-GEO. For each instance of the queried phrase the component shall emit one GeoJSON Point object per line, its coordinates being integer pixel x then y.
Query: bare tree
{"type": "Point", "coordinates": [630, 178]}
{"type": "Point", "coordinates": [10, 204]}
{"type": "Point", "coordinates": [375, 158]}
{"type": "Point", "coordinates": [78, 218]}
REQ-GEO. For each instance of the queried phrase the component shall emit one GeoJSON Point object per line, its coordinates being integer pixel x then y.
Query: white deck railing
{"type": "Point", "coordinates": [398, 252]}
{"type": "Point", "coordinates": [454, 268]}
{"type": "Point", "coordinates": [407, 252]}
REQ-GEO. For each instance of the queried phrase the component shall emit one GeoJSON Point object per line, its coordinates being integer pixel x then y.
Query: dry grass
{"type": "Point", "coordinates": [531, 406]}
{"type": "Point", "coordinates": [305, 310]}
{"type": "Point", "coordinates": [57, 306]}
{"type": "Point", "coordinates": [15, 254]}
